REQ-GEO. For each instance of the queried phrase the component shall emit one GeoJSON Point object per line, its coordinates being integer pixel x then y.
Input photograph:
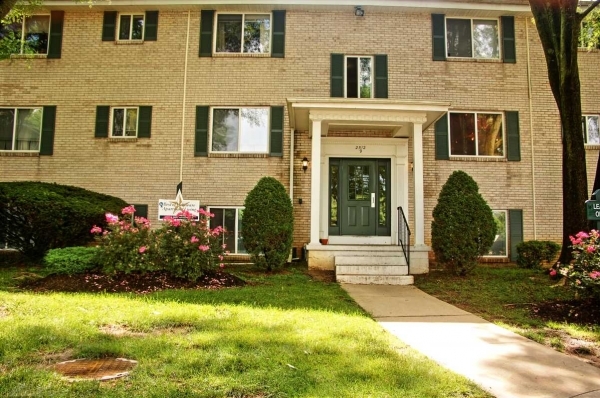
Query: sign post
{"type": "Point", "coordinates": [171, 208]}
{"type": "Point", "coordinates": [592, 208]}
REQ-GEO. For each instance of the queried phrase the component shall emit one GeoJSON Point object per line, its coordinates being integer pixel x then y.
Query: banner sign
{"type": "Point", "coordinates": [170, 208]}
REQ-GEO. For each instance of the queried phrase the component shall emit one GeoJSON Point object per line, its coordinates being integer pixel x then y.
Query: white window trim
{"type": "Point", "coordinates": [15, 126]}
{"type": "Point", "coordinates": [358, 81]}
{"type": "Point", "coordinates": [506, 221]}
{"type": "Point", "coordinates": [23, 34]}
{"type": "Point", "coordinates": [243, 14]}
{"type": "Point", "coordinates": [503, 156]}
{"type": "Point", "coordinates": [111, 121]}
{"type": "Point", "coordinates": [211, 124]}
{"type": "Point", "coordinates": [237, 222]}
{"type": "Point", "coordinates": [585, 131]}
{"type": "Point", "coordinates": [500, 33]}
{"type": "Point", "coordinates": [143, 14]}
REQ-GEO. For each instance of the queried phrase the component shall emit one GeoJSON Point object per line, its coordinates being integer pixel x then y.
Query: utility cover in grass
{"type": "Point", "coordinates": [95, 369]}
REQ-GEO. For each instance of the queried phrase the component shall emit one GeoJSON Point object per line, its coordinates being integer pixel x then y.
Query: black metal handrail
{"type": "Point", "coordinates": [404, 236]}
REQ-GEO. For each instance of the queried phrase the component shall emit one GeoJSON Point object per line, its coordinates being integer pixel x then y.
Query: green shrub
{"type": "Point", "coordinates": [530, 254]}
{"type": "Point", "coordinates": [584, 272]}
{"type": "Point", "coordinates": [268, 223]}
{"type": "Point", "coordinates": [70, 260]}
{"type": "Point", "coordinates": [39, 216]}
{"type": "Point", "coordinates": [463, 227]}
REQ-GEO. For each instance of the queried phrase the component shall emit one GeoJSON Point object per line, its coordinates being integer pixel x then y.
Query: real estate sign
{"type": "Point", "coordinates": [171, 208]}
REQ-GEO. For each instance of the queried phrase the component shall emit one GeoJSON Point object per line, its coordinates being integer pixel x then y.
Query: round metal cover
{"type": "Point", "coordinates": [95, 369]}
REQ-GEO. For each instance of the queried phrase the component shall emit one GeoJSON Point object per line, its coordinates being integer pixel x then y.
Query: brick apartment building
{"type": "Point", "coordinates": [358, 109]}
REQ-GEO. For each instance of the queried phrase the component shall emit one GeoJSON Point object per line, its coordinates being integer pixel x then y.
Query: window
{"type": "Point", "coordinates": [20, 129]}
{"type": "Point", "coordinates": [230, 219]}
{"type": "Point", "coordinates": [472, 38]}
{"type": "Point", "coordinates": [131, 26]}
{"type": "Point", "coordinates": [499, 247]}
{"type": "Point", "coordinates": [124, 122]}
{"type": "Point", "coordinates": [476, 134]}
{"type": "Point", "coordinates": [359, 77]}
{"type": "Point", "coordinates": [240, 130]}
{"type": "Point", "coordinates": [591, 132]}
{"type": "Point", "coordinates": [243, 33]}
{"type": "Point", "coordinates": [589, 36]}
{"type": "Point", "coordinates": [31, 34]}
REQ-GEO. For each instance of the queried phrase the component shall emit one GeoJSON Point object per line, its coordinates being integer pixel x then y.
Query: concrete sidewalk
{"type": "Point", "coordinates": [501, 362]}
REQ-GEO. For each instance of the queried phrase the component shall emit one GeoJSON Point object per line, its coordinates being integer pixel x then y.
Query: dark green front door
{"type": "Point", "coordinates": [359, 197]}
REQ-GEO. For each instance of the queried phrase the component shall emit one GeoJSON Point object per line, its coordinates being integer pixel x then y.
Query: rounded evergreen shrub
{"type": "Point", "coordinates": [268, 223]}
{"type": "Point", "coordinates": [463, 226]}
{"type": "Point", "coordinates": [530, 254]}
{"type": "Point", "coordinates": [71, 260]}
{"type": "Point", "coordinates": [37, 216]}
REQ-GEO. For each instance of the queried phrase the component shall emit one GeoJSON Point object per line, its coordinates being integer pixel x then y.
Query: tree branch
{"type": "Point", "coordinates": [5, 6]}
{"type": "Point", "coordinates": [589, 9]}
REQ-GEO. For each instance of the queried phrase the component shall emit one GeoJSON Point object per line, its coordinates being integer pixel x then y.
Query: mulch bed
{"type": "Point", "coordinates": [129, 283]}
{"type": "Point", "coordinates": [582, 311]}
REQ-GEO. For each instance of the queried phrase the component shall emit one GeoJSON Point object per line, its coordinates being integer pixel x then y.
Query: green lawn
{"type": "Point", "coordinates": [283, 335]}
{"type": "Point", "coordinates": [504, 295]}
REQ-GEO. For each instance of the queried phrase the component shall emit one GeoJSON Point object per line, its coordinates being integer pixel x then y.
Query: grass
{"type": "Point", "coordinates": [283, 335]}
{"type": "Point", "coordinates": [503, 295]}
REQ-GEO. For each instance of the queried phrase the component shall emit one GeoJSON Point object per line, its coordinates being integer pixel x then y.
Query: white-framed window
{"type": "Point", "coordinates": [242, 33]}
{"type": "Point", "coordinates": [591, 132]}
{"type": "Point", "coordinates": [476, 134]}
{"type": "Point", "coordinates": [499, 248]}
{"type": "Point", "coordinates": [472, 38]}
{"type": "Point", "coordinates": [358, 74]}
{"type": "Point", "coordinates": [30, 36]}
{"type": "Point", "coordinates": [124, 122]}
{"type": "Point", "coordinates": [240, 130]}
{"type": "Point", "coordinates": [131, 27]}
{"type": "Point", "coordinates": [20, 129]}
{"type": "Point", "coordinates": [230, 219]}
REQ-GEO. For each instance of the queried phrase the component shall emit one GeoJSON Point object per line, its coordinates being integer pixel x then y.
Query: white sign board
{"type": "Point", "coordinates": [170, 208]}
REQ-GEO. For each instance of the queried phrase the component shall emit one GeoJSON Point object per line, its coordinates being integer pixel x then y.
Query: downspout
{"type": "Point", "coordinates": [187, 49]}
{"type": "Point", "coordinates": [530, 93]}
{"type": "Point", "coordinates": [292, 130]}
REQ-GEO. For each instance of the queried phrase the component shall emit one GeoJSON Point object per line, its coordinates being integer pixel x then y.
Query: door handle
{"type": "Point", "coordinates": [373, 200]}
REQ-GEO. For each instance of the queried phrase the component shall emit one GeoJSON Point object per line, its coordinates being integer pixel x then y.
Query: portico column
{"type": "Point", "coordinates": [315, 181]}
{"type": "Point", "coordinates": [419, 215]}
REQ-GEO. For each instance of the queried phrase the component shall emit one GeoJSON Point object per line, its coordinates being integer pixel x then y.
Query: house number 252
{"type": "Point", "coordinates": [360, 148]}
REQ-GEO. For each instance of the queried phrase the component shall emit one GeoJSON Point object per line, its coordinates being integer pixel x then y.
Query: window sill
{"type": "Point", "coordinates": [119, 139]}
{"type": "Point", "coordinates": [128, 42]}
{"type": "Point", "coordinates": [28, 56]}
{"type": "Point", "coordinates": [484, 60]}
{"type": "Point", "coordinates": [241, 55]}
{"type": "Point", "coordinates": [20, 154]}
{"type": "Point", "coordinates": [478, 159]}
{"type": "Point", "coordinates": [592, 146]}
{"type": "Point", "coordinates": [238, 155]}
{"type": "Point", "coordinates": [588, 50]}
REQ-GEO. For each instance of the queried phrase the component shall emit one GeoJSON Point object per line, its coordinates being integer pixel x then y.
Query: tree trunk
{"type": "Point", "coordinates": [5, 6]}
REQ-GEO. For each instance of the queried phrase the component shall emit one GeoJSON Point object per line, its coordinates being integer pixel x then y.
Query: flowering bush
{"type": "Point", "coordinates": [584, 272]}
{"type": "Point", "coordinates": [182, 247]}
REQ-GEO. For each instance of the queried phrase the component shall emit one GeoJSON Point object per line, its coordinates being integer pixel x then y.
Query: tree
{"type": "Point", "coordinates": [558, 24]}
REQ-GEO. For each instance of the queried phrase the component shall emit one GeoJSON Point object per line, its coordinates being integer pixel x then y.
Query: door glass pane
{"type": "Point", "coordinates": [382, 181]}
{"type": "Point", "coordinates": [334, 170]}
{"type": "Point", "coordinates": [358, 183]}
{"type": "Point", "coordinates": [240, 240]}
{"type": "Point", "coordinates": [498, 248]}
{"type": "Point", "coordinates": [138, 27]}
{"type": "Point", "coordinates": [365, 77]}
{"type": "Point", "coordinates": [7, 122]}
{"type": "Point", "coordinates": [124, 27]}
{"type": "Point", "coordinates": [229, 226]}
{"type": "Point", "coordinates": [225, 130]}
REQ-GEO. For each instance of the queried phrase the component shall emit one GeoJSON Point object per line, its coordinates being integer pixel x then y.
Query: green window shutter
{"type": "Point", "coordinates": [337, 75]}
{"type": "Point", "coordinates": [442, 150]}
{"type": "Point", "coordinates": [151, 26]}
{"type": "Point", "coordinates": [109, 26]}
{"type": "Point", "coordinates": [381, 76]}
{"type": "Point", "coordinates": [276, 141]}
{"type": "Point", "coordinates": [145, 122]}
{"type": "Point", "coordinates": [48, 122]}
{"type": "Point", "coordinates": [438, 31]}
{"type": "Point", "coordinates": [513, 139]}
{"type": "Point", "coordinates": [141, 210]}
{"type": "Point", "coordinates": [56, 33]}
{"type": "Point", "coordinates": [515, 220]}
{"type": "Point", "coordinates": [278, 43]}
{"type": "Point", "coordinates": [509, 53]}
{"type": "Point", "coordinates": [206, 32]}
{"type": "Point", "coordinates": [201, 137]}
{"type": "Point", "coordinates": [102, 118]}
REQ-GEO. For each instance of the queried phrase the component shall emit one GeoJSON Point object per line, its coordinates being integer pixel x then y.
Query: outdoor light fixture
{"type": "Point", "coordinates": [304, 164]}
{"type": "Point", "coordinates": [359, 11]}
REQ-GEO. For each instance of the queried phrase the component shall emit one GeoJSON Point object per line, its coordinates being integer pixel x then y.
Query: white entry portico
{"type": "Point", "coordinates": [371, 129]}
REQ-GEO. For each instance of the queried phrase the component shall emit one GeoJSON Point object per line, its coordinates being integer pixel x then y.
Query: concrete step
{"type": "Point", "coordinates": [375, 279]}
{"type": "Point", "coordinates": [362, 259]}
{"type": "Point", "coordinates": [383, 270]}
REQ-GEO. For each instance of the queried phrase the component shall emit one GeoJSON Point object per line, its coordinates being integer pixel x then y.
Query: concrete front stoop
{"type": "Point", "coordinates": [373, 266]}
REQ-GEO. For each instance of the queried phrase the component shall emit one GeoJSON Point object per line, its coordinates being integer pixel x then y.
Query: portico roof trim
{"type": "Point", "coordinates": [362, 113]}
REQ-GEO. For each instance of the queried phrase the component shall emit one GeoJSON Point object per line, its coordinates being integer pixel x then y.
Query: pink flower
{"type": "Point", "coordinates": [111, 218]}
{"type": "Point", "coordinates": [142, 249]}
{"type": "Point", "coordinates": [128, 210]}
{"type": "Point", "coordinates": [96, 230]}
{"type": "Point", "coordinates": [194, 239]}
{"type": "Point", "coordinates": [222, 265]}
{"type": "Point", "coordinates": [595, 274]}
{"type": "Point", "coordinates": [553, 272]}
{"type": "Point", "coordinates": [203, 248]}
{"type": "Point", "coordinates": [582, 235]}
{"type": "Point", "coordinates": [591, 249]}
{"type": "Point", "coordinates": [220, 257]}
